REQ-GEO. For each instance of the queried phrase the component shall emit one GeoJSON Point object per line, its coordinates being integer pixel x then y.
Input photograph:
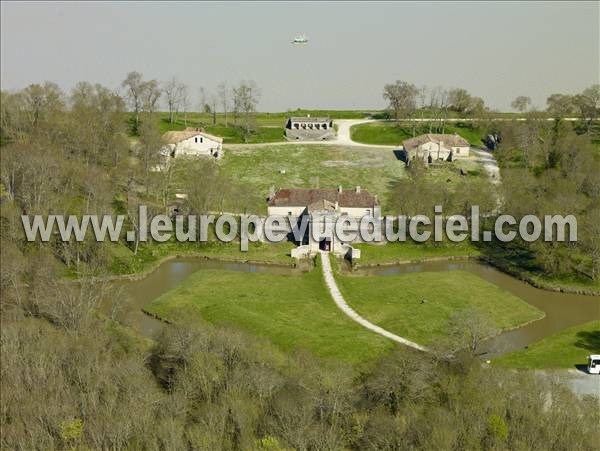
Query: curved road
{"type": "Point", "coordinates": [348, 311]}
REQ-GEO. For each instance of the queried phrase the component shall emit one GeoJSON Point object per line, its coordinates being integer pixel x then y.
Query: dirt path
{"type": "Point", "coordinates": [490, 165]}
{"type": "Point", "coordinates": [344, 307]}
{"type": "Point", "coordinates": [580, 382]}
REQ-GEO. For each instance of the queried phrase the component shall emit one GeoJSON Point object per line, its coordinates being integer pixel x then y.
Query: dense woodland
{"type": "Point", "coordinates": [74, 379]}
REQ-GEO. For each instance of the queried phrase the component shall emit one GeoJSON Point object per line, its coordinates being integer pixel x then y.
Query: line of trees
{"type": "Point", "coordinates": [144, 95]}
{"type": "Point", "coordinates": [406, 101]}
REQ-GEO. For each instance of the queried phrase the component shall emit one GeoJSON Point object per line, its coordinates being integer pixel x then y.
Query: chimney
{"type": "Point", "coordinates": [358, 189]}
{"type": "Point", "coordinates": [340, 189]}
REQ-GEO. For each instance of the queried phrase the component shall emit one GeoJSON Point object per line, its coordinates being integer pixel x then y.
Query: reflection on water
{"type": "Point", "coordinates": [562, 310]}
{"type": "Point", "coordinates": [139, 293]}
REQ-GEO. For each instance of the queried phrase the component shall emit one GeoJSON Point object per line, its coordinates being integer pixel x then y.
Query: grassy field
{"type": "Point", "coordinates": [311, 166]}
{"type": "Point", "coordinates": [565, 349]}
{"type": "Point", "coordinates": [394, 302]}
{"type": "Point", "coordinates": [294, 312]}
{"type": "Point", "coordinates": [261, 119]}
{"type": "Point", "coordinates": [373, 254]}
{"type": "Point", "coordinates": [391, 133]}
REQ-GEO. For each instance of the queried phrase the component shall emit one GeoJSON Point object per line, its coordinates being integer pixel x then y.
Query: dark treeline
{"type": "Point", "coordinates": [551, 168]}
{"type": "Point", "coordinates": [72, 378]}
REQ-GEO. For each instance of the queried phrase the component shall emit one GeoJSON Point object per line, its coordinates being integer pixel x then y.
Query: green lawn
{"type": "Point", "coordinates": [394, 302]}
{"type": "Point", "coordinates": [311, 166]}
{"type": "Point", "coordinates": [294, 312]}
{"type": "Point", "coordinates": [374, 254]}
{"type": "Point", "coordinates": [565, 349]}
{"type": "Point", "coordinates": [392, 133]}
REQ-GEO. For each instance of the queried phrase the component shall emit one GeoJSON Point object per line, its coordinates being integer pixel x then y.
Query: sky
{"type": "Point", "coordinates": [494, 50]}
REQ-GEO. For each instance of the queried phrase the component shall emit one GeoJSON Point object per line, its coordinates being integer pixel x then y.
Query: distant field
{"type": "Point", "coordinates": [565, 349]}
{"type": "Point", "coordinates": [294, 312]}
{"type": "Point", "coordinates": [311, 166]}
{"type": "Point", "coordinates": [391, 133]}
{"type": "Point", "coordinates": [261, 119]}
{"type": "Point", "coordinates": [394, 302]}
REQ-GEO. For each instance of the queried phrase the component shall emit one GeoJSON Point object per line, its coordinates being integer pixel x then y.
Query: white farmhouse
{"type": "Point", "coordinates": [192, 142]}
{"type": "Point", "coordinates": [431, 147]}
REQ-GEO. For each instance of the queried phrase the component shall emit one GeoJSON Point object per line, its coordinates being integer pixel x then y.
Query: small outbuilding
{"type": "Point", "coordinates": [432, 147]}
{"type": "Point", "coordinates": [307, 128]}
{"type": "Point", "coordinates": [192, 142]}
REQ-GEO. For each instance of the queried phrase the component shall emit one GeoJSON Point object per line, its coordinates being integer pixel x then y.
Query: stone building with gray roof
{"type": "Point", "coordinates": [307, 128]}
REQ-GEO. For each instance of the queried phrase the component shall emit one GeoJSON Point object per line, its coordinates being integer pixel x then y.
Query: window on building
{"type": "Point", "coordinates": [196, 139]}
{"type": "Point", "coordinates": [289, 213]}
{"type": "Point", "coordinates": [368, 212]}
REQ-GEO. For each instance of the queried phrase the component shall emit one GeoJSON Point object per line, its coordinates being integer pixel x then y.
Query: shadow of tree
{"type": "Point", "coordinates": [589, 340]}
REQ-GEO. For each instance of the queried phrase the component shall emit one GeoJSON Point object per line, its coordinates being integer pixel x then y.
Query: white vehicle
{"type": "Point", "coordinates": [594, 364]}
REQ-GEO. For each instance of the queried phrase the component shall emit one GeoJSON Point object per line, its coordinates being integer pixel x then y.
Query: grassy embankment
{"type": "Point", "coordinates": [150, 255]}
{"type": "Point", "coordinates": [392, 133]}
{"type": "Point", "coordinates": [566, 349]}
{"type": "Point", "coordinates": [292, 311]}
{"type": "Point", "coordinates": [396, 252]}
{"type": "Point", "coordinates": [395, 302]}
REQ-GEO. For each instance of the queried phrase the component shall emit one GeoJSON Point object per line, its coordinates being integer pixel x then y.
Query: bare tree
{"type": "Point", "coordinates": [150, 96]}
{"type": "Point", "coordinates": [246, 99]}
{"type": "Point", "coordinates": [468, 328]}
{"type": "Point", "coordinates": [134, 83]}
{"type": "Point", "coordinates": [142, 95]}
{"type": "Point", "coordinates": [214, 105]}
{"type": "Point", "coordinates": [185, 102]}
{"type": "Point", "coordinates": [224, 98]}
{"type": "Point", "coordinates": [172, 90]}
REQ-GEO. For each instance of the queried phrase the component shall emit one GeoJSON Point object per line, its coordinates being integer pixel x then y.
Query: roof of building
{"type": "Point", "coordinates": [310, 119]}
{"type": "Point", "coordinates": [454, 140]}
{"type": "Point", "coordinates": [313, 196]}
{"type": "Point", "coordinates": [173, 137]}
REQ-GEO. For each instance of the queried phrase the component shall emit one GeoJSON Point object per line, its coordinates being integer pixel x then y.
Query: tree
{"type": "Point", "coordinates": [224, 97]}
{"type": "Point", "coordinates": [468, 328]}
{"type": "Point", "coordinates": [521, 103]}
{"type": "Point", "coordinates": [134, 83]}
{"type": "Point", "coordinates": [559, 105]}
{"type": "Point", "coordinates": [401, 97]}
{"type": "Point", "coordinates": [459, 100]}
{"type": "Point", "coordinates": [185, 102]}
{"type": "Point", "coordinates": [149, 147]}
{"type": "Point", "coordinates": [143, 95]}
{"type": "Point", "coordinates": [173, 93]}
{"type": "Point", "coordinates": [587, 104]}
{"type": "Point", "coordinates": [246, 97]}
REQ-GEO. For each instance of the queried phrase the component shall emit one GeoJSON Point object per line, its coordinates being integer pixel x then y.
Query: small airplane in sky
{"type": "Point", "coordinates": [302, 39]}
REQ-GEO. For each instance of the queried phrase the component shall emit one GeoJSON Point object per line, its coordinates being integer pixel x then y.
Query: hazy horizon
{"type": "Point", "coordinates": [494, 50]}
